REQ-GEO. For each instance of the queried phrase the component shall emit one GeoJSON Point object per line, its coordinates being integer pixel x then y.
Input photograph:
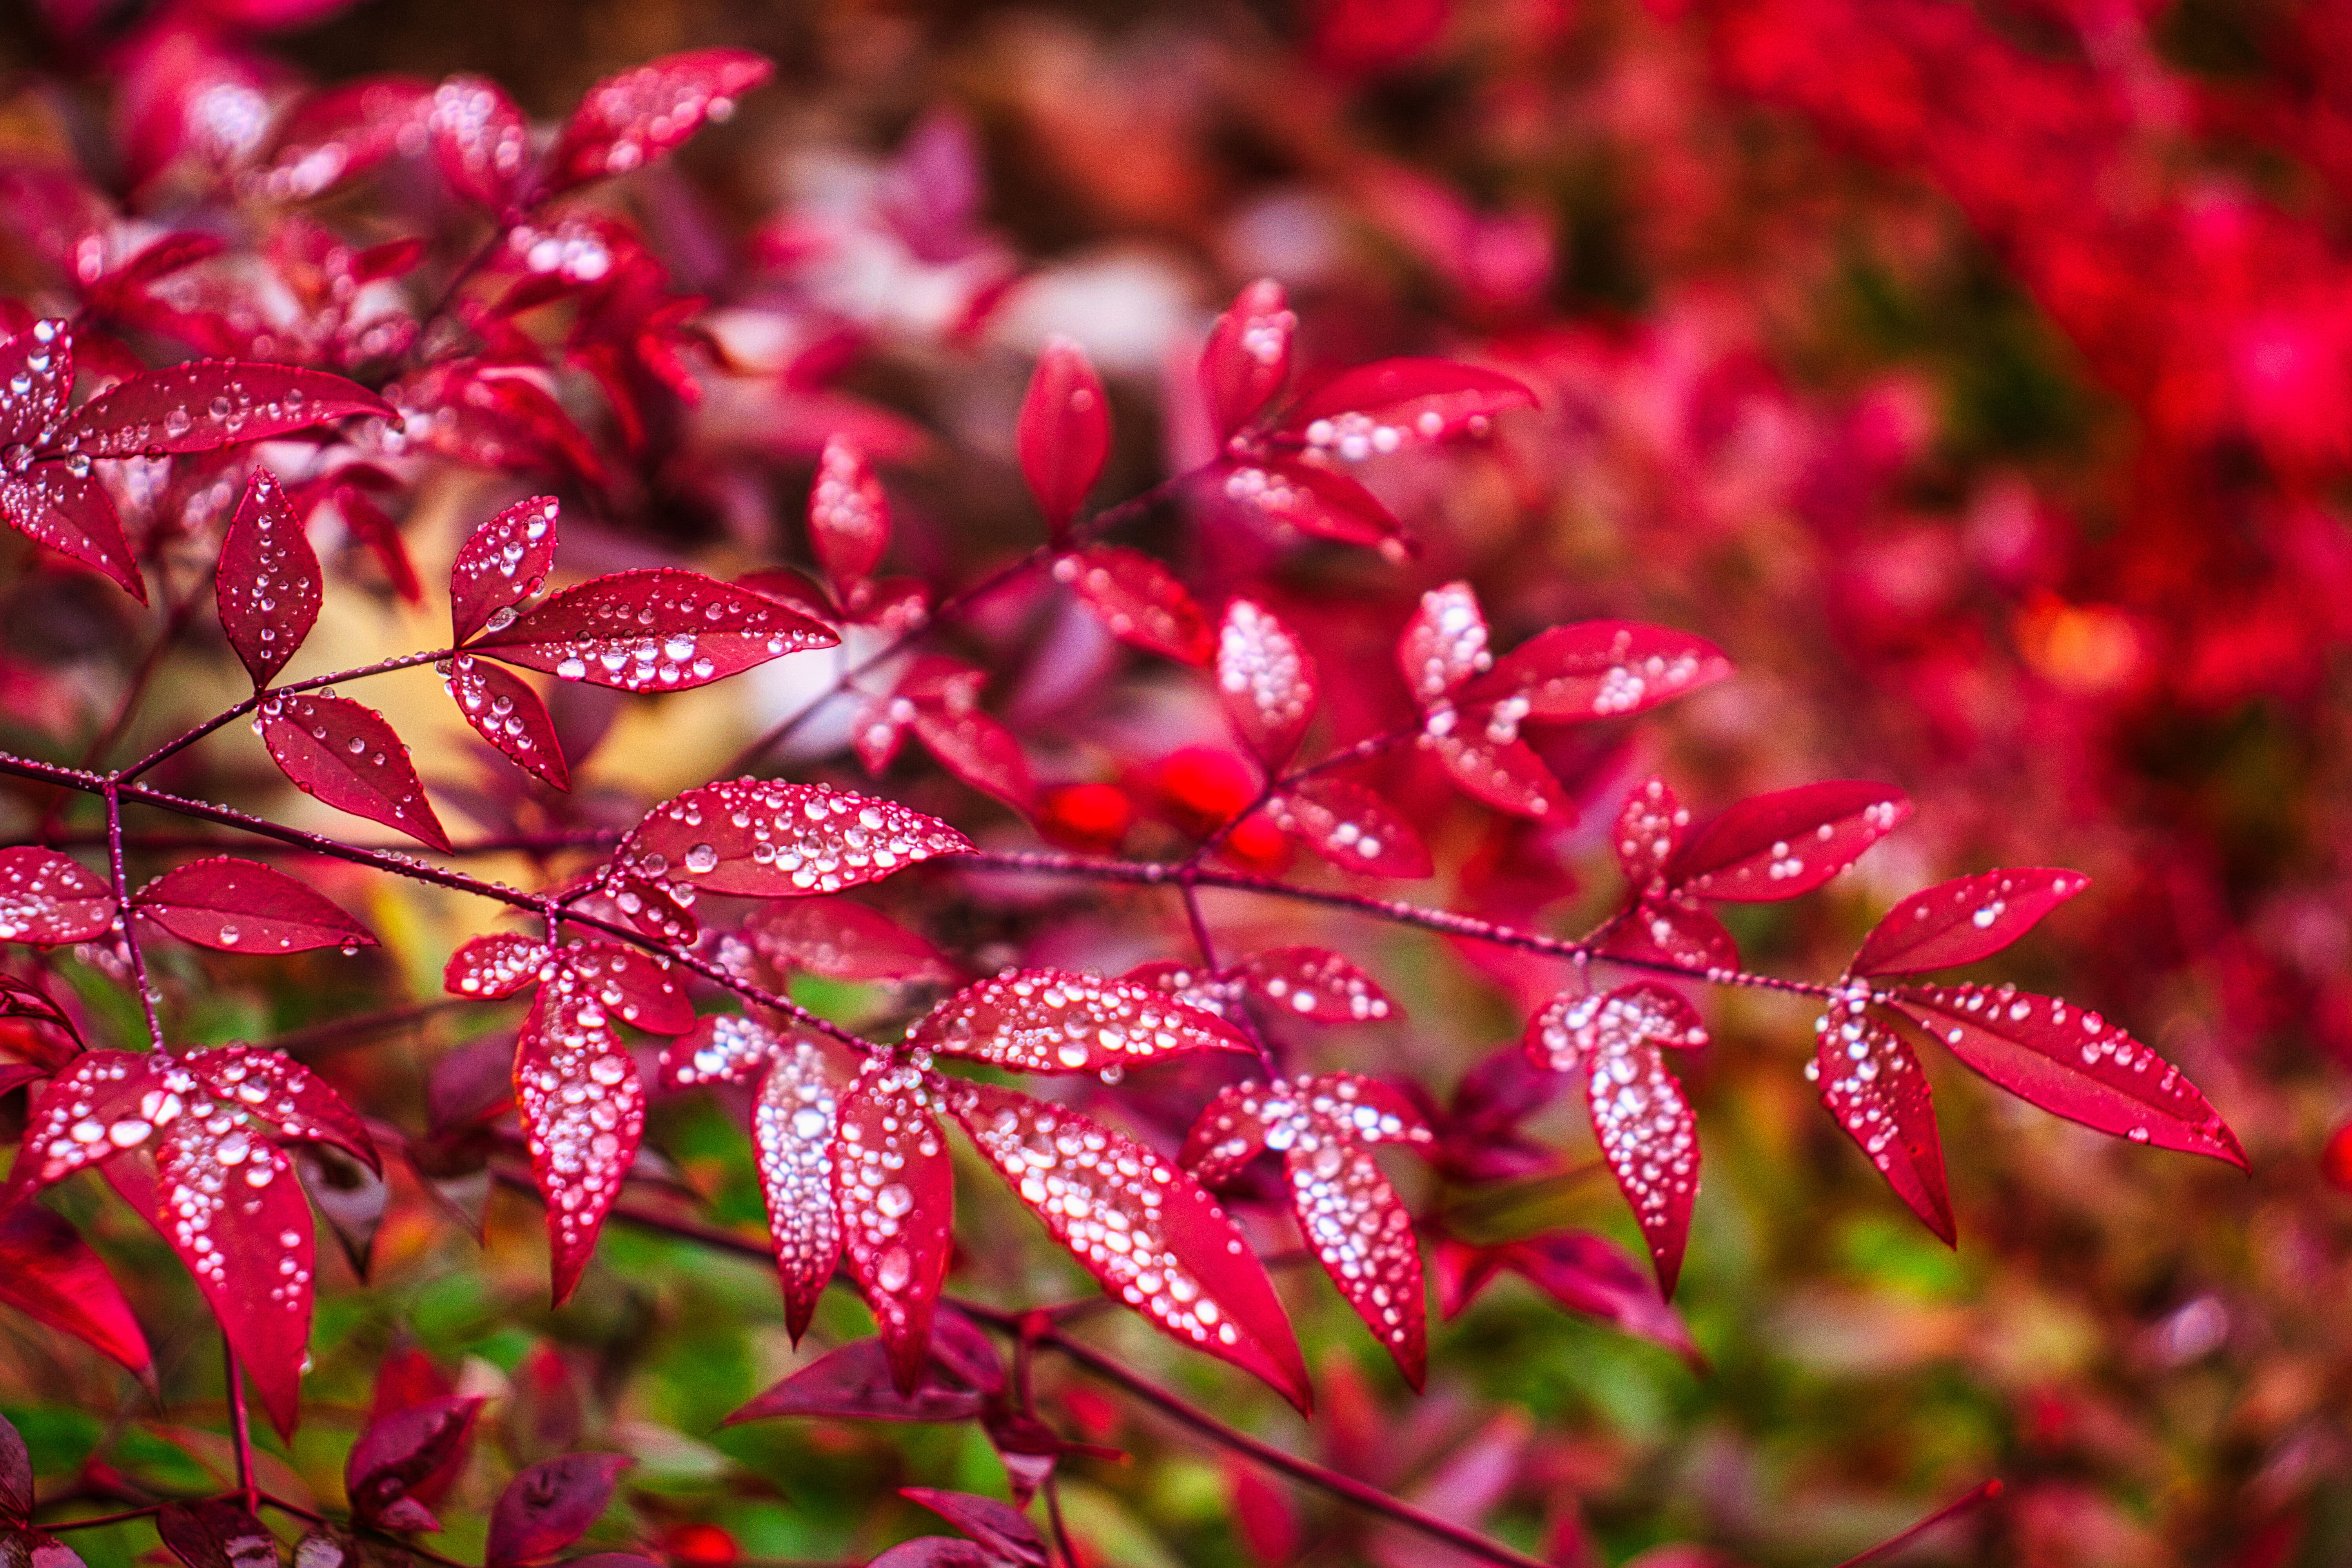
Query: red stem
{"type": "Point", "coordinates": [174, 747]}
{"type": "Point", "coordinates": [241, 1428]}
{"type": "Point", "coordinates": [112, 796]}
{"type": "Point", "coordinates": [1977, 1498]}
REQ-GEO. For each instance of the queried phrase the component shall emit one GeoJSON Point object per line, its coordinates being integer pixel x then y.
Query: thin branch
{"type": "Point", "coordinates": [180, 743]}
{"type": "Point", "coordinates": [112, 796]}
{"type": "Point", "coordinates": [1974, 1500]}
{"type": "Point", "coordinates": [125, 1517]}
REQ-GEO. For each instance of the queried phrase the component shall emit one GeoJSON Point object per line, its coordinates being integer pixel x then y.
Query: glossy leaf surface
{"type": "Point", "coordinates": [1317, 984]}
{"type": "Point", "coordinates": [71, 514]}
{"type": "Point", "coordinates": [1598, 669]}
{"type": "Point", "coordinates": [479, 140]}
{"type": "Point", "coordinates": [1781, 844]}
{"type": "Point", "coordinates": [49, 1274]}
{"type": "Point", "coordinates": [502, 562]}
{"type": "Point", "coordinates": [1247, 360]}
{"type": "Point", "coordinates": [842, 940]}
{"type": "Point", "coordinates": [267, 586]}
{"type": "Point", "coordinates": [50, 899]}
{"type": "Point", "coordinates": [1294, 498]}
{"type": "Point", "coordinates": [348, 757]}
{"type": "Point", "coordinates": [1369, 409]}
{"type": "Point", "coordinates": [504, 711]}
{"type": "Point", "coordinates": [1063, 433]}
{"type": "Point", "coordinates": [1353, 829]}
{"type": "Point", "coordinates": [1138, 600]}
{"type": "Point", "coordinates": [549, 1505]}
{"type": "Point", "coordinates": [1267, 680]}
{"type": "Point", "coordinates": [208, 404]}
{"type": "Point", "coordinates": [766, 839]}
{"type": "Point", "coordinates": [1962, 920]}
{"type": "Point", "coordinates": [848, 514]}
{"type": "Point", "coordinates": [243, 906]}
{"type": "Point", "coordinates": [895, 1191]}
{"type": "Point", "coordinates": [626, 121]}
{"type": "Point", "coordinates": [1052, 1020]}
{"type": "Point", "coordinates": [1873, 1084]}
{"type": "Point", "coordinates": [659, 629]}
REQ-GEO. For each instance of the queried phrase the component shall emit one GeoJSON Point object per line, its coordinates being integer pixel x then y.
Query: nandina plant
{"type": "Point", "coordinates": [214, 398]}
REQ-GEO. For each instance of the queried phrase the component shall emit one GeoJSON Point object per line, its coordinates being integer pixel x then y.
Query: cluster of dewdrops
{"type": "Point", "coordinates": [1261, 664]}
{"type": "Point", "coordinates": [1869, 1072]}
{"type": "Point", "coordinates": [819, 840]}
{"type": "Point", "coordinates": [582, 1104]}
{"type": "Point", "coordinates": [875, 1148]}
{"type": "Point", "coordinates": [1318, 985]}
{"type": "Point", "coordinates": [1051, 1020]}
{"type": "Point", "coordinates": [1312, 816]}
{"type": "Point", "coordinates": [793, 1129]}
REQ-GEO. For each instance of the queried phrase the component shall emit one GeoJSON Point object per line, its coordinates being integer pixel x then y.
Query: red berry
{"type": "Point", "coordinates": [1087, 815]}
{"type": "Point", "coordinates": [701, 1545]}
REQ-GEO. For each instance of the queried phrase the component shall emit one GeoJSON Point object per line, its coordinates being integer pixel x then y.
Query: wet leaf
{"type": "Point", "coordinates": [495, 966]}
{"type": "Point", "coordinates": [505, 712]}
{"type": "Point", "coordinates": [1873, 1085]}
{"type": "Point", "coordinates": [584, 1114]}
{"type": "Point", "coordinates": [1444, 643]}
{"type": "Point", "coordinates": [216, 1534]}
{"type": "Point", "coordinates": [1962, 920]}
{"type": "Point", "coordinates": [71, 514]}
{"type": "Point", "coordinates": [1317, 984]}
{"type": "Point", "coordinates": [660, 629]}
{"type": "Point", "coordinates": [36, 375]}
{"type": "Point", "coordinates": [1268, 681]}
{"type": "Point", "coordinates": [1790, 842]}
{"type": "Point", "coordinates": [1298, 498]}
{"type": "Point", "coordinates": [1504, 774]}
{"type": "Point", "coordinates": [1247, 360]}
{"type": "Point", "coordinates": [626, 121]}
{"type": "Point", "coordinates": [1369, 409]}
{"type": "Point", "coordinates": [842, 940]}
{"type": "Point", "coordinates": [208, 404]}
{"type": "Point", "coordinates": [348, 757]}
{"type": "Point", "coordinates": [50, 899]}
{"type": "Point", "coordinates": [1597, 670]}
{"type": "Point", "coordinates": [1001, 1527]}
{"type": "Point", "coordinates": [1649, 829]}
{"type": "Point", "coordinates": [1063, 434]}
{"type": "Point", "coordinates": [479, 141]}
{"type": "Point", "coordinates": [765, 839]}
{"type": "Point", "coordinates": [398, 1451]}
{"type": "Point", "coordinates": [267, 584]}
{"type": "Point", "coordinates": [848, 514]}
{"type": "Point", "coordinates": [1053, 1020]}
{"type": "Point", "coordinates": [502, 562]}
{"type": "Point", "coordinates": [242, 906]}
{"type": "Point", "coordinates": [1138, 600]}
{"type": "Point", "coordinates": [895, 1191]}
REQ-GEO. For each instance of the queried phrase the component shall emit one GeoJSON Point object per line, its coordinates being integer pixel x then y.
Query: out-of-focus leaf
{"type": "Point", "coordinates": [1052, 1020]}
{"type": "Point", "coordinates": [50, 899]}
{"type": "Point", "coordinates": [1063, 433]}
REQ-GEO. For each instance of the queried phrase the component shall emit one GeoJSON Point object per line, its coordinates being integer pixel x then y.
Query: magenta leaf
{"type": "Point", "coordinates": [659, 629]}
{"type": "Point", "coordinates": [217, 1534]}
{"type": "Point", "coordinates": [1444, 644]}
{"type": "Point", "coordinates": [1267, 680]}
{"type": "Point", "coordinates": [549, 1505]}
{"type": "Point", "coordinates": [1180, 1262]}
{"type": "Point", "coordinates": [23, 999]}
{"type": "Point", "coordinates": [1959, 921]}
{"type": "Point", "coordinates": [1317, 984]}
{"type": "Point", "coordinates": [642, 989]}
{"type": "Point", "coordinates": [341, 132]}
{"type": "Point", "coordinates": [1873, 1086]}
{"type": "Point", "coordinates": [1247, 360]}
{"type": "Point", "coordinates": [505, 712]}
{"type": "Point", "coordinates": [895, 1192]}
{"type": "Point", "coordinates": [49, 899]}
{"type": "Point", "coordinates": [1504, 774]}
{"type": "Point", "coordinates": [626, 121]}
{"type": "Point", "coordinates": [35, 376]}
{"type": "Point", "coordinates": [242, 906]}
{"type": "Point", "coordinates": [16, 1478]}
{"type": "Point", "coordinates": [1064, 431]}
{"type": "Point", "coordinates": [480, 142]}
{"type": "Point", "coordinates": [347, 755]}
{"type": "Point", "coordinates": [49, 1274]}
{"type": "Point", "coordinates": [1649, 829]}
{"type": "Point", "coordinates": [1378, 408]}
{"type": "Point", "coordinates": [399, 1451]}
{"type": "Point", "coordinates": [494, 966]}
{"type": "Point", "coordinates": [764, 839]}
{"type": "Point", "coordinates": [1353, 829]}
{"type": "Point", "coordinates": [999, 1526]}
{"type": "Point", "coordinates": [1671, 929]}
{"type": "Point", "coordinates": [71, 514]}
{"type": "Point", "coordinates": [842, 940]}
{"type": "Point", "coordinates": [1781, 844]}
{"type": "Point", "coordinates": [267, 584]}
{"type": "Point", "coordinates": [848, 514]}
{"type": "Point", "coordinates": [1053, 1020]}
{"type": "Point", "coordinates": [938, 1552]}
{"type": "Point", "coordinates": [965, 740]}
{"type": "Point", "coordinates": [583, 1113]}
{"type": "Point", "coordinates": [1585, 1273]}
{"type": "Point", "coordinates": [1598, 669]}
{"type": "Point", "coordinates": [1295, 498]}
{"type": "Point", "coordinates": [208, 404]}
{"type": "Point", "coordinates": [98, 1105]}
{"type": "Point", "coordinates": [2071, 1062]}
{"type": "Point", "coordinates": [1140, 600]}
{"type": "Point", "coordinates": [501, 564]}
{"type": "Point", "coordinates": [854, 1383]}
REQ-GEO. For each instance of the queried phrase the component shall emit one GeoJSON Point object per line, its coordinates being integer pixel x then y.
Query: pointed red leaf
{"type": "Point", "coordinates": [639, 989]}
{"type": "Point", "coordinates": [659, 629]}
{"type": "Point", "coordinates": [1294, 497]}
{"type": "Point", "coordinates": [722, 1048]}
{"type": "Point", "coordinates": [208, 404]}
{"type": "Point", "coordinates": [1179, 1260]}
{"type": "Point", "coordinates": [267, 584]}
{"type": "Point", "coordinates": [480, 142]}
{"type": "Point", "coordinates": [1317, 984]}
{"type": "Point", "coordinates": [272, 1088]}
{"type": "Point", "coordinates": [242, 906]}
{"type": "Point", "coordinates": [549, 1505]}
{"type": "Point", "coordinates": [1588, 1274]}
{"type": "Point", "coordinates": [49, 1273]}
{"type": "Point", "coordinates": [652, 907]}
{"type": "Point", "coordinates": [1506, 774]}
{"type": "Point", "coordinates": [854, 1383]}
{"type": "Point", "coordinates": [35, 377]}
{"type": "Point", "coordinates": [842, 940]}
{"type": "Point", "coordinates": [348, 757]}
{"type": "Point", "coordinates": [401, 1450]}
{"type": "Point", "coordinates": [505, 712]}
{"type": "Point", "coordinates": [1597, 670]}
{"type": "Point", "coordinates": [217, 1534]}
{"type": "Point", "coordinates": [1873, 1084]}
{"type": "Point", "coordinates": [999, 1527]}
{"type": "Point", "coordinates": [1140, 600]}
{"type": "Point", "coordinates": [1229, 1132]}
{"type": "Point", "coordinates": [977, 749]}
{"type": "Point", "coordinates": [71, 514]}
{"type": "Point", "coordinates": [1247, 360]}
{"type": "Point", "coordinates": [98, 1105]}
{"type": "Point", "coordinates": [48, 898]}
{"type": "Point", "coordinates": [792, 1126]}
{"type": "Point", "coordinates": [1267, 680]}
{"type": "Point", "coordinates": [501, 564]}
{"type": "Point", "coordinates": [766, 839]}
{"type": "Point", "coordinates": [1353, 829]}
{"type": "Point", "coordinates": [627, 120]}
{"type": "Point", "coordinates": [894, 1190]}
{"type": "Point", "coordinates": [1959, 921]}
{"type": "Point", "coordinates": [1671, 929]}
{"type": "Point", "coordinates": [341, 132]}
{"type": "Point", "coordinates": [584, 1114]}
{"type": "Point", "coordinates": [1064, 431]}
{"type": "Point", "coordinates": [2071, 1062]}
{"type": "Point", "coordinates": [22, 999]}
{"type": "Point", "coordinates": [1392, 403]}
{"type": "Point", "coordinates": [1053, 1020]}
{"type": "Point", "coordinates": [848, 514]}
{"type": "Point", "coordinates": [1781, 844]}
{"type": "Point", "coordinates": [494, 966]}
{"type": "Point", "coordinates": [1444, 643]}
{"type": "Point", "coordinates": [1649, 829]}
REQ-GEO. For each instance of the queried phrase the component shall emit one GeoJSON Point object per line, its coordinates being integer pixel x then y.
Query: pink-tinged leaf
{"type": "Point", "coordinates": [71, 514]}
{"type": "Point", "coordinates": [1444, 644]}
{"type": "Point", "coordinates": [652, 907]}
{"type": "Point", "coordinates": [497, 417]}
{"type": "Point", "coordinates": [342, 132]}
{"type": "Point", "coordinates": [999, 1527]}
{"type": "Point", "coordinates": [894, 1190]}
{"type": "Point", "coordinates": [1959, 921]}
{"type": "Point", "coordinates": [1505, 775]}
{"type": "Point", "coordinates": [1649, 829]}
{"type": "Point", "coordinates": [49, 1274]}
{"type": "Point", "coordinates": [1790, 842]}
{"type": "Point", "coordinates": [1053, 1020]}
{"type": "Point", "coordinates": [348, 756]}
{"type": "Point", "coordinates": [1317, 984]}
{"type": "Point", "coordinates": [639, 989]}
{"type": "Point", "coordinates": [2072, 1063]}
{"type": "Point", "coordinates": [1294, 497]}
{"type": "Point", "coordinates": [1598, 669]}
{"type": "Point", "coordinates": [48, 898]}
{"type": "Point", "coordinates": [937, 1552]}
{"type": "Point", "coordinates": [494, 966]}
{"type": "Point", "coordinates": [854, 1383]}
{"type": "Point", "coordinates": [242, 906]}
{"type": "Point", "coordinates": [549, 1505]}
{"type": "Point", "coordinates": [1587, 1274]}
{"type": "Point", "coordinates": [1581, 1031]}
{"type": "Point", "coordinates": [1671, 929]}
{"type": "Point", "coordinates": [209, 404]}
{"type": "Point", "coordinates": [267, 584]}
{"type": "Point", "coordinates": [16, 1478]}
{"type": "Point", "coordinates": [505, 712]}
{"type": "Point", "coordinates": [659, 629]}
{"type": "Point", "coordinates": [35, 376]}
{"type": "Point", "coordinates": [271, 1086]}
{"type": "Point", "coordinates": [1353, 829]}
{"type": "Point", "coordinates": [480, 142]}
{"type": "Point", "coordinates": [501, 564]}
{"type": "Point", "coordinates": [1180, 1262]}
{"type": "Point", "coordinates": [1140, 600]}
{"type": "Point", "coordinates": [722, 1048]}
{"type": "Point", "coordinates": [98, 1105]}
{"type": "Point", "coordinates": [1267, 680]}
{"type": "Point", "coordinates": [765, 839]}
{"type": "Point", "coordinates": [1247, 360]}
{"type": "Point", "coordinates": [1392, 403]}
{"type": "Point", "coordinates": [627, 120]}
{"type": "Point", "coordinates": [217, 1534]}
{"type": "Point", "coordinates": [848, 514]}
{"type": "Point", "coordinates": [22, 999]}
{"type": "Point", "coordinates": [977, 749]}
{"type": "Point", "coordinates": [1064, 431]}
{"type": "Point", "coordinates": [398, 1452]}
{"type": "Point", "coordinates": [1873, 1085]}
{"type": "Point", "coordinates": [583, 1113]}
{"type": "Point", "coordinates": [842, 940]}
{"type": "Point", "coordinates": [792, 1127]}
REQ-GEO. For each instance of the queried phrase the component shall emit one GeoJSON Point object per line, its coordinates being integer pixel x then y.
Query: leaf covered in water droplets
{"type": "Point", "coordinates": [1139, 600]}
{"type": "Point", "coordinates": [1597, 670]}
{"type": "Point", "coordinates": [584, 1114]}
{"type": "Point", "coordinates": [35, 377]}
{"type": "Point", "coordinates": [1294, 498]}
{"type": "Point", "coordinates": [1964, 920]}
{"type": "Point", "coordinates": [209, 404]}
{"type": "Point", "coordinates": [626, 120]}
{"type": "Point", "coordinates": [217, 1534]}
{"type": "Point", "coordinates": [1649, 829]}
{"type": "Point", "coordinates": [494, 966]}
{"type": "Point", "coordinates": [479, 140]}
{"type": "Point", "coordinates": [1672, 929]}
{"type": "Point", "coordinates": [1267, 680]}
{"type": "Point", "coordinates": [501, 564]}
{"type": "Point", "coordinates": [49, 1274]}
{"type": "Point", "coordinates": [267, 584]}
{"type": "Point", "coordinates": [659, 629]}
{"type": "Point", "coordinates": [1369, 409]}
{"type": "Point", "coordinates": [242, 906]}
{"type": "Point", "coordinates": [1317, 984]}
{"type": "Point", "coordinates": [848, 514]}
{"type": "Point", "coordinates": [549, 1505]}
{"type": "Point", "coordinates": [1790, 842]}
{"type": "Point", "coordinates": [50, 899]}
{"type": "Point", "coordinates": [1444, 643]}
{"type": "Point", "coordinates": [1873, 1085]}
{"type": "Point", "coordinates": [1063, 433]}
{"type": "Point", "coordinates": [505, 712]}
{"type": "Point", "coordinates": [1504, 772]}
{"type": "Point", "coordinates": [1053, 1020]}
{"type": "Point", "coordinates": [1248, 359]}
{"type": "Point", "coordinates": [348, 757]}
{"type": "Point", "coordinates": [71, 514]}
{"type": "Point", "coordinates": [765, 839]}
{"type": "Point", "coordinates": [894, 1190]}
{"type": "Point", "coordinates": [1143, 1227]}
{"type": "Point", "coordinates": [842, 940]}
{"type": "Point", "coordinates": [1353, 829]}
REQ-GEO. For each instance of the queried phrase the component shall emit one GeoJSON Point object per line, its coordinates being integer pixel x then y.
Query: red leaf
{"type": "Point", "coordinates": [495, 966]}
{"type": "Point", "coordinates": [999, 1527]}
{"type": "Point", "coordinates": [49, 1273]}
{"type": "Point", "coordinates": [341, 132]}
{"type": "Point", "coordinates": [1671, 929]}
{"type": "Point", "coordinates": [348, 756]}
{"type": "Point", "coordinates": [1873, 1086]}
{"type": "Point", "coordinates": [1317, 984]}
{"type": "Point", "coordinates": [480, 142]}
{"type": "Point", "coordinates": [1649, 828]}
{"type": "Point", "coordinates": [549, 1505]}
{"type": "Point", "coordinates": [1444, 644]}
{"type": "Point", "coordinates": [505, 712]}
{"type": "Point", "coordinates": [937, 1552]}
{"type": "Point", "coordinates": [266, 582]}
{"type": "Point", "coordinates": [854, 1383]}
{"type": "Point", "coordinates": [71, 514]}
{"type": "Point", "coordinates": [842, 940]}
{"type": "Point", "coordinates": [1247, 360]}
{"type": "Point", "coordinates": [1294, 497]}
{"type": "Point", "coordinates": [1962, 920]}
{"type": "Point", "coordinates": [1353, 829]}
{"type": "Point", "coordinates": [217, 1534]}
{"type": "Point", "coordinates": [1392, 403]}
{"type": "Point", "coordinates": [48, 898]}
{"type": "Point", "coordinates": [273, 1087]}
{"type": "Point", "coordinates": [21, 999]}
{"type": "Point", "coordinates": [501, 564]}
{"type": "Point", "coordinates": [584, 1114]}
{"type": "Point", "coordinates": [99, 1104]}
{"type": "Point", "coordinates": [976, 750]}
{"type": "Point", "coordinates": [41, 356]}
{"type": "Point", "coordinates": [1267, 680]}
{"type": "Point", "coordinates": [1588, 1274]}
{"type": "Point", "coordinates": [1597, 670]}
{"type": "Point", "coordinates": [400, 1450]}
{"type": "Point", "coordinates": [208, 404]}
{"type": "Point", "coordinates": [626, 120]}
{"type": "Point", "coordinates": [1064, 431]}
{"type": "Point", "coordinates": [1053, 1020]}
{"type": "Point", "coordinates": [895, 1191]}
{"type": "Point", "coordinates": [1182, 1264]}
{"type": "Point", "coordinates": [1781, 844]}
{"type": "Point", "coordinates": [765, 839]}
{"type": "Point", "coordinates": [16, 1476]}
{"type": "Point", "coordinates": [2072, 1063]}
{"type": "Point", "coordinates": [1504, 774]}
{"type": "Point", "coordinates": [792, 1127]}
{"type": "Point", "coordinates": [1140, 600]}
{"type": "Point", "coordinates": [660, 629]}
{"type": "Point", "coordinates": [640, 988]}
{"type": "Point", "coordinates": [848, 514]}
{"type": "Point", "coordinates": [242, 906]}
